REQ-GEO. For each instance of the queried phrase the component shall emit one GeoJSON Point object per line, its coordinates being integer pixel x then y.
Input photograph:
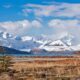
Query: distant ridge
{"type": "Point", "coordinates": [10, 51]}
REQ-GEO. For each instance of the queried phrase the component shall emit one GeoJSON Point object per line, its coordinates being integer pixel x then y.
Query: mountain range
{"type": "Point", "coordinates": [38, 44]}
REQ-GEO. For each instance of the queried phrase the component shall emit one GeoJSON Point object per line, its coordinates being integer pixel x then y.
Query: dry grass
{"type": "Point", "coordinates": [57, 68]}
{"type": "Point", "coordinates": [74, 61]}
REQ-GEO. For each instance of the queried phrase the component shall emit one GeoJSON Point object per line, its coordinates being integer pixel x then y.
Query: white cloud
{"type": "Point", "coordinates": [19, 27]}
{"type": "Point", "coordinates": [36, 23]}
{"type": "Point", "coordinates": [38, 10]}
{"type": "Point", "coordinates": [58, 23]}
{"type": "Point", "coordinates": [60, 9]}
{"type": "Point", "coordinates": [62, 27]}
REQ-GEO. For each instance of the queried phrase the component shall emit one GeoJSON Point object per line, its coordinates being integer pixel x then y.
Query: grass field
{"type": "Point", "coordinates": [43, 68]}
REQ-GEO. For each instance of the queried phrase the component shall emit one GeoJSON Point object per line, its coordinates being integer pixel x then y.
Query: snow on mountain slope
{"type": "Point", "coordinates": [27, 43]}
{"type": "Point", "coordinates": [26, 38]}
{"type": "Point", "coordinates": [55, 46]}
{"type": "Point", "coordinates": [5, 35]}
{"type": "Point", "coordinates": [68, 39]}
{"type": "Point", "coordinates": [75, 48]}
{"type": "Point", "coordinates": [57, 43]}
{"type": "Point", "coordinates": [17, 42]}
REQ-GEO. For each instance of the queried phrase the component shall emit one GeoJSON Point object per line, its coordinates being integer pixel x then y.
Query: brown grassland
{"type": "Point", "coordinates": [40, 68]}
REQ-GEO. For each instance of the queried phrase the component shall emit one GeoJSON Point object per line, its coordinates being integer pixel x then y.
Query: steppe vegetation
{"type": "Point", "coordinates": [63, 68]}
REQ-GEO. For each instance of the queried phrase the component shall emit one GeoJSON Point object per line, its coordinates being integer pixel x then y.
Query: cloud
{"type": "Point", "coordinates": [71, 26]}
{"type": "Point", "coordinates": [36, 23]}
{"type": "Point", "coordinates": [19, 27]}
{"type": "Point", "coordinates": [58, 23]}
{"type": "Point", "coordinates": [55, 9]}
{"type": "Point", "coordinates": [61, 27]}
{"type": "Point", "coordinates": [38, 10]}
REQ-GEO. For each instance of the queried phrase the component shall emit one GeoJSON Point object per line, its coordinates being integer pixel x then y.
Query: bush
{"type": "Point", "coordinates": [5, 62]}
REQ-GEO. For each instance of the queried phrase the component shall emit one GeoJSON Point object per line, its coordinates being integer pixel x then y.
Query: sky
{"type": "Point", "coordinates": [54, 18]}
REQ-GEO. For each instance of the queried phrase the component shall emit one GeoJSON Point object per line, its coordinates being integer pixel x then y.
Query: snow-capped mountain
{"type": "Point", "coordinates": [18, 42]}
{"type": "Point", "coordinates": [68, 39]}
{"type": "Point", "coordinates": [67, 42]}
{"type": "Point", "coordinates": [28, 43]}
{"type": "Point", "coordinates": [57, 45]}
{"type": "Point", "coordinates": [5, 35]}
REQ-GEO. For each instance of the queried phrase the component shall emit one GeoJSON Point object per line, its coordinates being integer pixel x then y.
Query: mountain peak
{"type": "Point", "coordinates": [68, 39]}
{"type": "Point", "coordinates": [28, 43]}
{"type": "Point", "coordinates": [57, 43]}
{"type": "Point", "coordinates": [5, 35]}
